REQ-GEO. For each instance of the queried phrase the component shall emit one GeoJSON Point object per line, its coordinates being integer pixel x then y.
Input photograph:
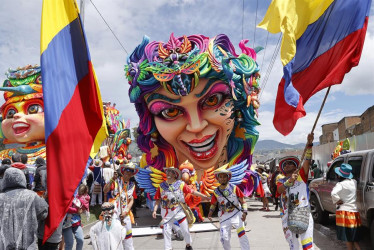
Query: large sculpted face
{"type": "Point", "coordinates": [197, 125]}
{"type": "Point", "coordinates": [23, 122]}
{"type": "Point", "coordinates": [190, 93]}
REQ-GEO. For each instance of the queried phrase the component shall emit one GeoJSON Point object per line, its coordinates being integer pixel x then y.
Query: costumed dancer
{"type": "Point", "coordinates": [294, 192]}
{"type": "Point", "coordinates": [123, 195]}
{"type": "Point", "coordinates": [348, 219]}
{"type": "Point", "coordinates": [107, 233]}
{"type": "Point", "coordinates": [23, 113]}
{"type": "Point", "coordinates": [232, 209]}
{"type": "Point", "coordinates": [170, 194]}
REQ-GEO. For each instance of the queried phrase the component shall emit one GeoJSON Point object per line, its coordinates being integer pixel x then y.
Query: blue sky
{"type": "Point", "coordinates": [130, 20]}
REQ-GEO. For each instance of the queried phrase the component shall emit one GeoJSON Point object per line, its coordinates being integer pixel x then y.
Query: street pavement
{"type": "Point", "coordinates": [263, 229]}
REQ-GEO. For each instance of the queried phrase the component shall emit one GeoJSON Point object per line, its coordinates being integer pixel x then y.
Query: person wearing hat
{"type": "Point", "coordinates": [232, 209]}
{"type": "Point", "coordinates": [348, 219]}
{"type": "Point", "coordinates": [108, 233]}
{"type": "Point", "coordinates": [122, 193]}
{"type": "Point", "coordinates": [170, 194]}
{"type": "Point", "coordinates": [294, 192]}
{"type": "Point", "coordinates": [96, 188]}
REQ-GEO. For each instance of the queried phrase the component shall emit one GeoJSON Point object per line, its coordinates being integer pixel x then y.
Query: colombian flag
{"type": "Point", "coordinates": [322, 41]}
{"type": "Point", "coordinates": [74, 117]}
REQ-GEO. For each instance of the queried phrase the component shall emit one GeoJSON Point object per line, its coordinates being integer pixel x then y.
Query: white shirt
{"type": "Point", "coordinates": [104, 239]}
{"type": "Point", "coordinates": [107, 174]}
{"type": "Point", "coordinates": [346, 192]}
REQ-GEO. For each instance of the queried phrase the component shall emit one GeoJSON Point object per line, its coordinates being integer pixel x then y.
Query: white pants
{"type": "Point", "coordinates": [93, 199]}
{"type": "Point", "coordinates": [229, 220]}
{"type": "Point", "coordinates": [127, 242]}
{"type": "Point", "coordinates": [167, 227]}
{"type": "Point", "coordinates": [306, 238]}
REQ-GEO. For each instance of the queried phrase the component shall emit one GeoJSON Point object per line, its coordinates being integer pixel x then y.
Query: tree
{"type": "Point", "coordinates": [135, 133]}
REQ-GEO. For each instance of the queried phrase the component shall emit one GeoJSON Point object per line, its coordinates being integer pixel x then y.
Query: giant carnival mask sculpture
{"type": "Point", "coordinates": [195, 99]}
{"type": "Point", "coordinates": [23, 113]}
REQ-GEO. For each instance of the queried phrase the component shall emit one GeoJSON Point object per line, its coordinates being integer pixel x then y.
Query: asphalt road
{"type": "Point", "coordinates": [263, 229]}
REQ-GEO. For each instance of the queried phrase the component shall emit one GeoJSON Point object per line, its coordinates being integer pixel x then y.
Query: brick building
{"type": "Point", "coordinates": [327, 133]}
{"type": "Point", "coordinates": [348, 127]}
{"type": "Point", "coordinates": [367, 120]}
{"type": "Point", "coordinates": [345, 123]}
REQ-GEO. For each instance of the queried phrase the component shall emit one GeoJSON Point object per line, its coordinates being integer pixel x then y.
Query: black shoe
{"type": "Point", "coordinates": [189, 248]}
{"type": "Point", "coordinates": [276, 208]}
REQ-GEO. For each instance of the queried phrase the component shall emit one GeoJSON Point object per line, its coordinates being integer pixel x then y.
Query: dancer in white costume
{"type": "Point", "coordinates": [232, 209]}
{"type": "Point", "coordinates": [123, 195]}
{"type": "Point", "coordinates": [294, 192]}
{"type": "Point", "coordinates": [170, 194]}
{"type": "Point", "coordinates": [107, 233]}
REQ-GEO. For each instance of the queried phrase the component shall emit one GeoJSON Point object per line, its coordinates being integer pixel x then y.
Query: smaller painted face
{"type": "Point", "coordinates": [23, 122]}
{"type": "Point", "coordinates": [186, 178]}
{"type": "Point", "coordinates": [198, 125]}
{"type": "Point", "coordinates": [223, 179]}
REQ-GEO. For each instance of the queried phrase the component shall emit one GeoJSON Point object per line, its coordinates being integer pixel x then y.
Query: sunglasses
{"type": "Point", "coordinates": [289, 163]}
{"type": "Point", "coordinates": [128, 170]}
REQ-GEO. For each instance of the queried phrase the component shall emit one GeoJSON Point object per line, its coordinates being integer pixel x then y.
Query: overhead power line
{"type": "Point", "coordinates": [109, 28]}
{"type": "Point", "coordinates": [271, 64]}
{"type": "Point", "coordinates": [266, 44]}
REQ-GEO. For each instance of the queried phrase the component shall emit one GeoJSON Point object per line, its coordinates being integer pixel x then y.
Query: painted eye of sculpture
{"type": "Point", "coordinates": [10, 113]}
{"type": "Point", "coordinates": [171, 113]}
{"type": "Point", "coordinates": [35, 108]}
{"type": "Point", "coordinates": [213, 100]}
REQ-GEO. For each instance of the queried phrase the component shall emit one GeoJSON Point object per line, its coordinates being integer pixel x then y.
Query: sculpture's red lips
{"type": "Point", "coordinates": [204, 148]}
{"type": "Point", "coordinates": [201, 140]}
{"type": "Point", "coordinates": [20, 127]}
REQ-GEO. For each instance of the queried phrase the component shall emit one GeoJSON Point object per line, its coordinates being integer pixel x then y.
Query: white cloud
{"type": "Point", "coordinates": [130, 20]}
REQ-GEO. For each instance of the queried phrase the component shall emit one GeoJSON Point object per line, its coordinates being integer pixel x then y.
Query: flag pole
{"type": "Point", "coordinates": [315, 123]}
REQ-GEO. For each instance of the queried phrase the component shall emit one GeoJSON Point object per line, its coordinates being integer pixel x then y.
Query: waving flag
{"type": "Point", "coordinates": [74, 121]}
{"type": "Point", "coordinates": [322, 41]}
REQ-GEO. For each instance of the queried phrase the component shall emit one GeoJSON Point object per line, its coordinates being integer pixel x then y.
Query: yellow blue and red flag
{"type": "Point", "coordinates": [74, 117]}
{"type": "Point", "coordinates": [322, 41]}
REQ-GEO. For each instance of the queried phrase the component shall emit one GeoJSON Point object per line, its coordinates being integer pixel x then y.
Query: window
{"type": "Point", "coordinates": [331, 175]}
{"type": "Point", "coordinates": [356, 163]}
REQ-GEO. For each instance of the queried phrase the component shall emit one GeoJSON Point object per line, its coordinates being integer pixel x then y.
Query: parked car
{"type": "Point", "coordinates": [362, 163]}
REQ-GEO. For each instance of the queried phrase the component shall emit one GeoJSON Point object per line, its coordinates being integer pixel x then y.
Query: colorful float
{"type": "Point", "coordinates": [22, 114]}
{"type": "Point", "coordinates": [116, 146]}
{"type": "Point", "coordinates": [342, 147]}
{"type": "Point", "coordinates": [197, 101]}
